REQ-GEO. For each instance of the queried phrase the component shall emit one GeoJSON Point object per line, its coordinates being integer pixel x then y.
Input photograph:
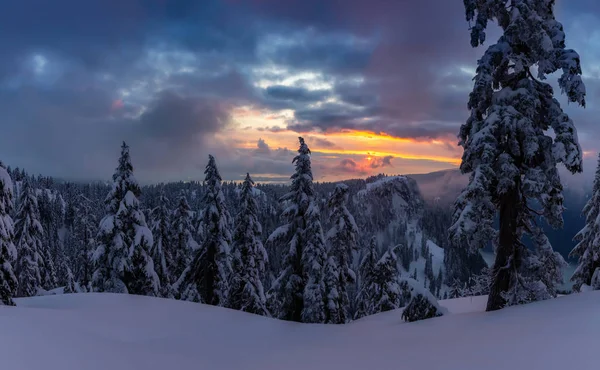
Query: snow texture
{"type": "Point", "coordinates": [157, 334]}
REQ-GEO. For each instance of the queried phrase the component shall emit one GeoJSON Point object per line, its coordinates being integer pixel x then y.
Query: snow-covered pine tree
{"type": "Point", "coordinates": [206, 279]}
{"type": "Point", "coordinates": [388, 294]}
{"type": "Point", "coordinates": [70, 286]}
{"type": "Point", "coordinates": [122, 260]}
{"type": "Point", "coordinates": [299, 292]}
{"type": "Point", "coordinates": [182, 244]}
{"type": "Point", "coordinates": [8, 251]}
{"type": "Point", "coordinates": [367, 281]}
{"type": "Point", "coordinates": [28, 238]}
{"type": "Point", "coordinates": [508, 151]}
{"type": "Point", "coordinates": [84, 233]}
{"type": "Point", "coordinates": [422, 305]}
{"type": "Point", "coordinates": [51, 217]}
{"type": "Point", "coordinates": [429, 268]}
{"type": "Point", "coordinates": [249, 256]}
{"type": "Point", "coordinates": [342, 239]}
{"type": "Point", "coordinates": [588, 248]}
{"type": "Point", "coordinates": [161, 250]}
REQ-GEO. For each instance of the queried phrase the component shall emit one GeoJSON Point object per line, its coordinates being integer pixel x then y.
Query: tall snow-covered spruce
{"type": "Point", "coordinates": [206, 279]}
{"type": "Point", "coordinates": [298, 294]}
{"type": "Point", "coordinates": [28, 238]}
{"type": "Point", "coordinates": [161, 253]}
{"type": "Point", "coordinates": [342, 243]}
{"type": "Point", "coordinates": [588, 248]}
{"type": "Point", "coordinates": [249, 256]}
{"type": "Point", "coordinates": [509, 152]}
{"type": "Point", "coordinates": [122, 257]}
{"type": "Point", "coordinates": [182, 243]}
{"type": "Point", "coordinates": [8, 252]}
{"type": "Point", "coordinates": [84, 232]}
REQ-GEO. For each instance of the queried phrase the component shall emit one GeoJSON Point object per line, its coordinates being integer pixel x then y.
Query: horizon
{"type": "Point", "coordinates": [368, 92]}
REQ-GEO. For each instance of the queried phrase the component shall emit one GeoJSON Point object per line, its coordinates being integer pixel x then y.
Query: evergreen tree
{"type": "Point", "coordinates": [249, 256]}
{"type": "Point", "coordinates": [206, 279]}
{"type": "Point", "coordinates": [28, 237]}
{"type": "Point", "coordinates": [122, 260]}
{"type": "Point", "coordinates": [342, 243]}
{"type": "Point", "coordinates": [588, 248]}
{"type": "Point", "coordinates": [511, 159]}
{"type": "Point", "coordinates": [429, 267]}
{"type": "Point", "coordinates": [51, 215]}
{"type": "Point", "coordinates": [388, 294]}
{"type": "Point", "coordinates": [8, 253]}
{"type": "Point", "coordinates": [84, 232]}
{"type": "Point", "coordinates": [368, 284]}
{"type": "Point", "coordinates": [182, 243]}
{"type": "Point", "coordinates": [299, 291]}
{"type": "Point", "coordinates": [70, 286]}
{"type": "Point", "coordinates": [421, 307]}
{"type": "Point", "coordinates": [161, 252]}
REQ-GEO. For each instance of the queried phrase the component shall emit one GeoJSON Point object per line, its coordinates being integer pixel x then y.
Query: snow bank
{"type": "Point", "coordinates": [111, 331]}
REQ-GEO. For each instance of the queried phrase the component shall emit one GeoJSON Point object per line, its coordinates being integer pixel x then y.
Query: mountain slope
{"type": "Point", "coordinates": [105, 331]}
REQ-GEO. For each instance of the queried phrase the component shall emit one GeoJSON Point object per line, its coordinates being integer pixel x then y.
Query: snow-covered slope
{"type": "Point", "coordinates": [104, 331]}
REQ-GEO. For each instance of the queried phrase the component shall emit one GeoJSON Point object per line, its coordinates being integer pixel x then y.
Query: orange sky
{"type": "Point", "coordinates": [409, 155]}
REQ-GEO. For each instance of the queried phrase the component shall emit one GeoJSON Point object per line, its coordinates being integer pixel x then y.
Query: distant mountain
{"type": "Point", "coordinates": [442, 188]}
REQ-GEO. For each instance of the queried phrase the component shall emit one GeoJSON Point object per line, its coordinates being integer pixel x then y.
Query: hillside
{"type": "Point", "coordinates": [104, 331]}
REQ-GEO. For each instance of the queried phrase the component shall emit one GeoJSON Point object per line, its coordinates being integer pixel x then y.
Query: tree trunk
{"type": "Point", "coordinates": [507, 256]}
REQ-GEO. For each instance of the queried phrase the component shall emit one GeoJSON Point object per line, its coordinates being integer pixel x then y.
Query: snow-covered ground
{"type": "Point", "coordinates": [113, 332]}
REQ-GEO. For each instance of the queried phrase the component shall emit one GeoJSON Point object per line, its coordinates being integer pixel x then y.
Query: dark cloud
{"type": "Point", "coordinates": [272, 129]}
{"type": "Point", "coordinates": [262, 147]}
{"type": "Point", "coordinates": [320, 142]}
{"type": "Point", "coordinates": [378, 162]}
{"type": "Point", "coordinates": [81, 140]}
{"type": "Point", "coordinates": [345, 167]}
{"type": "Point", "coordinates": [298, 94]}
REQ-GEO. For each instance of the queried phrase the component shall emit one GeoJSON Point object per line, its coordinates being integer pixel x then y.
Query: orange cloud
{"type": "Point", "coordinates": [371, 153]}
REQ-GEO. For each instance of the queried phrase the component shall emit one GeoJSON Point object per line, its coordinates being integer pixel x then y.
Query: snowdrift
{"type": "Point", "coordinates": [109, 331]}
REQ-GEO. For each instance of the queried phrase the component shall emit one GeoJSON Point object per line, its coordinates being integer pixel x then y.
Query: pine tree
{"type": "Point", "coordinates": [122, 260]}
{"type": "Point", "coordinates": [28, 238]}
{"type": "Point", "coordinates": [299, 292]}
{"type": "Point", "coordinates": [161, 251]}
{"type": "Point", "coordinates": [368, 275]}
{"type": "Point", "coordinates": [588, 248]}
{"type": "Point", "coordinates": [388, 294]}
{"type": "Point", "coordinates": [249, 256]}
{"type": "Point", "coordinates": [51, 215]}
{"type": "Point", "coordinates": [182, 243]}
{"type": "Point", "coordinates": [8, 252]}
{"type": "Point", "coordinates": [70, 286]}
{"type": "Point", "coordinates": [511, 159]}
{"type": "Point", "coordinates": [421, 307]}
{"type": "Point", "coordinates": [206, 279]}
{"type": "Point", "coordinates": [429, 267]}
{"type": "Point", "coordinates": [84, 232]}
{"type": "Point", "coordinates": [342, 242]}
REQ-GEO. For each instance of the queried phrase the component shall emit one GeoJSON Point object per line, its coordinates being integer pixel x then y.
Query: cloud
{"type": "Point", "coordinates": [273, 129]}
{"type": "Point", "coordinates": [378, 162]}
{"type": "Point", "coordinates": [262, 147]}
{"type": "Point", "coordinates": [299, 94]}
{"type": "Point", "coordinates": [77, 77]}
{"type": "Point", "coordinates": [320, 142]}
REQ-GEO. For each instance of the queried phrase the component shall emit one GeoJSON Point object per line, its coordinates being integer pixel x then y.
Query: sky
{"type": "Point", "coordinates": [372, 85]}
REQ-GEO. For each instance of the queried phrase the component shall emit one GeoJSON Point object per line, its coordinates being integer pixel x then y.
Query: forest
{"type": "Point", "coordinates": [237, 244]}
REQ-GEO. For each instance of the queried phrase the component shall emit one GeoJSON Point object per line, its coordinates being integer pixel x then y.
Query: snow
{"type": "Point", "coordinates": [5, 179]}
{"type": "Point", "coordinates": [381, 182]}
{"type": "Point", "coordinates": [118, 331]}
